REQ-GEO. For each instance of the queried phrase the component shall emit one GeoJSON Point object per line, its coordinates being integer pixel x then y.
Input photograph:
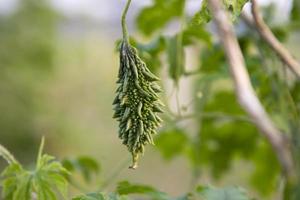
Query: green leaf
{"type": "Point", "coordinates": [176, 57]}
{"type": "Point", "coordinates": [87, 166]}
{"type": "Point", "coordinates": [158, 15]}
{"type": "Point", "coordinates": [171, 143]}
{"type": "Point", "coordinates": [46, 182]}
{"type": "Point", "coordinates": [213, 60]}
{"type": "Point", "coordinates": [125, 188]}
{"type": "Point", "coordinates": [228, 193]}
{"type": "Point", "coordinates": [265, 178]}
{"type": "Point", "coordinates": [194, 33]}
{"type": "Point", "coordinates": [224, 141]}
{"type": "Point", "coordinates": [203, 16]}
{"type": "Point", "coordinates": [100, 196]}
{"type": "Point", "coordinates": [235, 7]}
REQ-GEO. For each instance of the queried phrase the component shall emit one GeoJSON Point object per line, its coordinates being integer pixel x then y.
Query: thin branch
{"type": "Point", "coordinates": [245, 92]}
{"type": "Point", "coordinates": [272, 41]}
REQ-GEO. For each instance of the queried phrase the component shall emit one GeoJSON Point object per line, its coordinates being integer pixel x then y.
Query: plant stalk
{"type": "Point", "coordinates": [124, 26]}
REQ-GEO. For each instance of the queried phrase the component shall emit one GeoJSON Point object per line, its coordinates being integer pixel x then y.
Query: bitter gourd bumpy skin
{"type": "Point", "coordinates": [137, 102]}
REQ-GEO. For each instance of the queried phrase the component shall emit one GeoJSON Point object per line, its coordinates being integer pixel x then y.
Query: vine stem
{"type": "Point", "coordinates": [124, 27]}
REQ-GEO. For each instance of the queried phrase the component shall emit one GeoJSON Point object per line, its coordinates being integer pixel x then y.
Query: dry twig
{"type": "Point", "coordinates": [244, 90]}
{"type": "Point", "coordinates": [272, 41]}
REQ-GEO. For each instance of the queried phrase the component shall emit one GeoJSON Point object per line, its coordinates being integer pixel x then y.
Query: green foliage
{"type": "Point", "coordinates": [213, 60]}
{"type": "Point", "coordinates": [235, 7]}
{"type": "Point", "coordinates": [85, 165]}
{"type": "Point", "coordinates": [100, 196]}
{"type": "Point", "coordinates": [26, 57]}
{"type": "Point", "coordinates": [151, 51]}
{"type": "Point", "coordinates": [232, 193]}
{"type": "Point", "coordinates": [203, 16]}
{"type": "Point", "coordinates": [171, 143]}
{"type": "Point", "coordinates": [46, 182]}
{"type": "Point", "coordinates": [125, 188]}
{"type": "Point", "coordinates": [158, 15]}
{"type": "Point", "coordinates": [194, 33]}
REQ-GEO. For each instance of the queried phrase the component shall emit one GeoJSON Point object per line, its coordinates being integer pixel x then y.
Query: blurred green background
{"type": "Point", "coordinates": [58, 67]}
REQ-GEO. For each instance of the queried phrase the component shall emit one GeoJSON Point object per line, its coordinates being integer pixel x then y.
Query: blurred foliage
{"type": "Point", "coordinates": [232, 193]}
{"type": "Point", "coordinates": [100, 196]}
{"type": "Point", "coordinates": [202, 192]}
{"type": "Point", "coordinates": [156, 16]}
{"type": "Point", "coordinates": [224, 136]}
{"type": "Point", "coordinates": [46, 182]}
{"type": "Point", "coordinates": [171, 143]}
{"type": "Point", "coordinates": [88, 167]}
{"type": "Point", "coordinates": [26, 57]}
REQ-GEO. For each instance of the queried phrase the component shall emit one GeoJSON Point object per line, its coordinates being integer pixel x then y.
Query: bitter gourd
{"type": "Point", "coordinates": [137, 103]}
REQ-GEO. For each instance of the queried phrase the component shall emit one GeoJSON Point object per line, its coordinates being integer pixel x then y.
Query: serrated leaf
{"type": "Point", "coordinates": [228, 193]}
{"type": "Point", "coordinates": [158, 15]}
{"type": "Point", "coordinates": [46, 182]}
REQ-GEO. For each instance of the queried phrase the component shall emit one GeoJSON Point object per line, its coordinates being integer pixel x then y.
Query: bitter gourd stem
{"type": "Point", "coordinates": [124, 27]}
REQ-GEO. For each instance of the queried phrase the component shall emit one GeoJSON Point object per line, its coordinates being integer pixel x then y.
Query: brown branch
{"type": "Point", "coordinates": [272, 41]}
{"type": "Point", "coordinates": [245, 92]}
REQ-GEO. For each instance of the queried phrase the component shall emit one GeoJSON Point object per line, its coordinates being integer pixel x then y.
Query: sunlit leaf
{"type": "Point", "coordinates": [203, 16]}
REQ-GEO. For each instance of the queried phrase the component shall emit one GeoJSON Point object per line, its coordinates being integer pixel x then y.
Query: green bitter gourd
{"type": "Point", "coordinates": [137, 102]}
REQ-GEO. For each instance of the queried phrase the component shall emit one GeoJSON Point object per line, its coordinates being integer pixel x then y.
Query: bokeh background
{"type": "Point", "coordinates": [58, 67]}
